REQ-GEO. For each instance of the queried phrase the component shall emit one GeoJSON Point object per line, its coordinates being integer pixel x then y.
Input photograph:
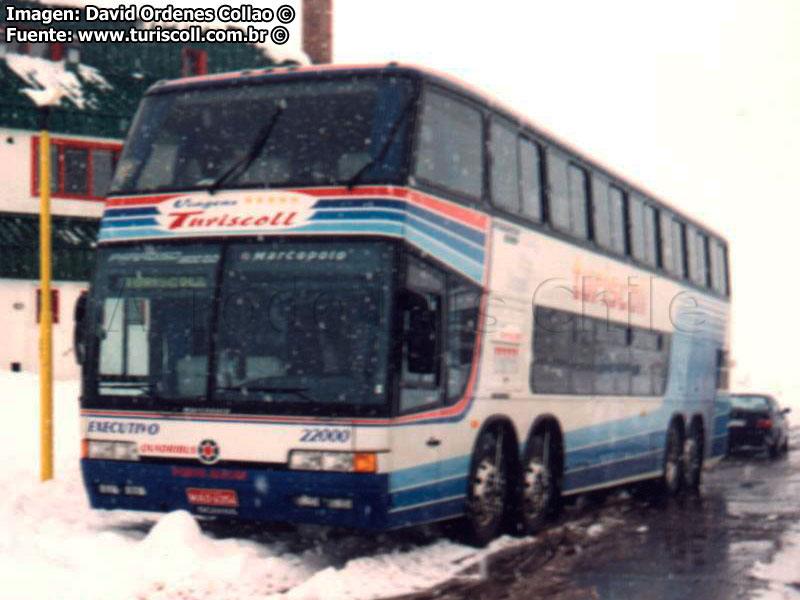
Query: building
{"type": "Point", "coordinates": [101, 86]}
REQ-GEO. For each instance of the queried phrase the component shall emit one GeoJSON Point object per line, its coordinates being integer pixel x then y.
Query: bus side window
{"type": "Point", "coordinates": [608, 213]}
{"type": "Point", "coordinates": [718, 267]}
{"type": "Point", "coordinates": [616, 210]}
{"type": "Point", "coordinates": [600, 211]}
{"type": "Point", "coordinates": [636, 225]}
{"type": "Point", "coordinates": [578, 183]}
{"type": "Point", "coordinates": [651, 253]}
{"type": "Point", "coordinates": [667, 251]}
{"type": "Point", "coordinates": [558, 191]}
{"type": "Point", "coordinates": [696, 246]}
{"type": "Point", "coordinates": [530, 159]}
{"type": "Point", "coordinates": [450, 145]}
{"type": "Point", "coordinates": [420, 314]}
{"type": "Point", "coordinates": [679, 248]}
{"type": "Point", "coordinates": [505, 166]}
{"type": "Point", "coordinates": [463, 302]}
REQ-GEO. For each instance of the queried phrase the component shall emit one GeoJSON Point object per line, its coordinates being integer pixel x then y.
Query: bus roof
{"type": "Point", "coordinates": [444, 79]}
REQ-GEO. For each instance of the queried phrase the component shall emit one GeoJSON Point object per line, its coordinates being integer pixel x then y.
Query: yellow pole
{"type": "Point", "coordinates": [45, 315]}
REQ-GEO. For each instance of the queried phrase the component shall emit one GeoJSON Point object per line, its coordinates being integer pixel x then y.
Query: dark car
{"type": "Point", "coordinates": [756, 421]}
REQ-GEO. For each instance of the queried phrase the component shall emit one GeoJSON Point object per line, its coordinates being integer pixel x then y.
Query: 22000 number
{"type": "Point", "coordinates": [325, 435]}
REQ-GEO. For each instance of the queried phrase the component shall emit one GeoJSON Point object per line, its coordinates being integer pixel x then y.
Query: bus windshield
{"type": "Point", "coordinates": [305, 132]}
{"type": "Point", "coordinates": [296, 327]}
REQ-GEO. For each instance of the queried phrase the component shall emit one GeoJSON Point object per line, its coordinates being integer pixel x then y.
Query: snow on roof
{"type": "Point", "coordinates": [48, 78]}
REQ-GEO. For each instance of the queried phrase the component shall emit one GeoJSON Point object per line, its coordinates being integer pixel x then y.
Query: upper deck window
{"type": "Point", "coordinates": [569, 193]}
{"type": "Point", "coordinates": [505, 166]}
{"type": "Point", "coordinates": [578, 200]}
{"type": "Point", "coordinates": [643, 221]}
{"type": "Point", "coordinates": [450, 145]}
{"type": "Point", "coordinates": [308, 132]}
{"type": "Point", "coordinates": [719, 267]}
{"type": "Point", "coordinates": [530, 159]}
{"type": "Point", "coordinates": [697, 256]}
{"type": "Point", "coordinates": [608, 211]}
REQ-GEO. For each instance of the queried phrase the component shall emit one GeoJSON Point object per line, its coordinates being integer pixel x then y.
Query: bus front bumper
{"type": "Point", "coordinates": [357, 500]}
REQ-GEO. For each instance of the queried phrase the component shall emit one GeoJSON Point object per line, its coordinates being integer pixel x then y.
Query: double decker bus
{"type": "Point", "coordinates": [373, 297]}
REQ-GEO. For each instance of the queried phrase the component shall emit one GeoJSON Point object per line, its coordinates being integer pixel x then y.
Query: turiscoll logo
{"type": "Point", "coordinates": [235, 212]}
{"type": "Point", "coordinates": [208, 451]}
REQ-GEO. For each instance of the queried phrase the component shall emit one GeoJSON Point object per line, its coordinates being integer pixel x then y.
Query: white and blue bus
{"type": "Point", "coordinates": [372, 297]}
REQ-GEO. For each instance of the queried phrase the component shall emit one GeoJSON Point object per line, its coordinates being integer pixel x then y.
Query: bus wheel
{"type": "Point", "coordinates": [538, 491]}
{"type": "Point", "coordinates": [672, 474]}
{"type": "Point", "coordinates": [488, 490]}
{"type": "Point", "coordinates": [693, 458]}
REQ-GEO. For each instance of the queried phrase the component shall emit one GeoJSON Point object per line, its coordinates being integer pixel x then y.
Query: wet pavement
{"type": "Point", "coordinates": [640, 547]}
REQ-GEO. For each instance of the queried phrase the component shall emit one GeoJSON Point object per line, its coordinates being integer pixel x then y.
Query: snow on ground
{"type": "Point", "coordinates": [783, 572]}
{"type": "Point", "coordinates": [53, 546]}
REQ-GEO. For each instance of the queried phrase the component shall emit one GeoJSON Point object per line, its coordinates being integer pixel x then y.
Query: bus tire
{"type": "Point", "coordinates": [693, 449]}
{"type": "Point", "coordinates": [487, 492]}
{"type": "Point", "coordinates": [539, 492]}
{"type": "Point", "coordinates": [672, 471]}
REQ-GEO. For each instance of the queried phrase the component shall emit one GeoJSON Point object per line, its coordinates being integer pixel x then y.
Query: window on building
{"type": "Point", "coordinates": [78, 169]}
{"type": "Point", "coordinates": [54, 306]}
{"type": "Point", "coordinates": [450, 146]}
{"type": "Point", "coordinates": [193, 62]}
{"type": "Point", "coordinates": [530, 159]}
{"type": "Point", "coordinates": [73, 240]}
{"type": "Point", "coordinates": [103, 164]}
{"type": "Point", "coordinates": [505, 166]}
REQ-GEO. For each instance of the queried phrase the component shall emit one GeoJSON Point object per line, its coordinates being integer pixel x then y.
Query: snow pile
{"type": "Point", "coordinates": [783, 572]}
{"type": "Point", "coordinates": [48, 78]}
{"type": "Point", "coordinates": [53, 546]}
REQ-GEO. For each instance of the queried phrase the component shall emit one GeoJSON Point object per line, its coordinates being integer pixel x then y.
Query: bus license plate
{"type": "Point", "coordinates": [736, 423]}
{"type": "Point", "coordinates": [209, 497]}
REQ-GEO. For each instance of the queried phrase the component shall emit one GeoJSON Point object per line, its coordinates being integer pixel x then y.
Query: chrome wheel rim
{"type": "Point", "coordinates": [672, 466]}
{"type": "Point", "coordinates": [691, 457]}
{"type": "Point", "coordinates": [538, 488]}
{"type": "Point", "coordinates": [488, 492]}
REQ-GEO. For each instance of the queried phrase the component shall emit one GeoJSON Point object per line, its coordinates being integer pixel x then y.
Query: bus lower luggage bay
{"type": "Point", "coordinates": [372, 297]}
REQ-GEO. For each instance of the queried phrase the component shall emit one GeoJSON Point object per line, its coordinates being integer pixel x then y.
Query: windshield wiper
{"type": "Point", "coordinates": [256, 147]}
{"type": "Point", "coordinates": [384, 149]}
{"type": "Point", "coordinates": [255, 387]}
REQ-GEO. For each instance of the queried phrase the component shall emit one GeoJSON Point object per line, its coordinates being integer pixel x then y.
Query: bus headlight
{"type": "Point", "coordinates": [108, 450]}
{"type": "Point", "coordinates": [348, 462]}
